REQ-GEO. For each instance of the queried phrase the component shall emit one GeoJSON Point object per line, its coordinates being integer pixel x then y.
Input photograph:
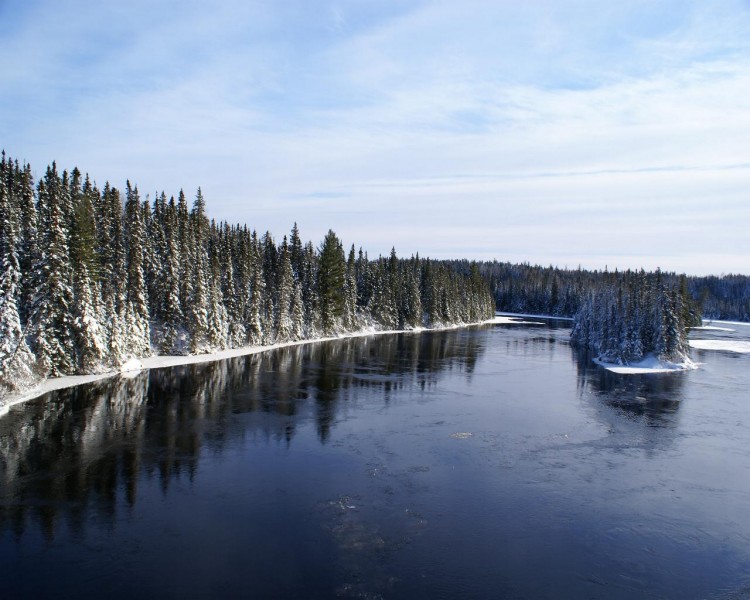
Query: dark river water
{"type": "Point", "coordinates": [490, 462]}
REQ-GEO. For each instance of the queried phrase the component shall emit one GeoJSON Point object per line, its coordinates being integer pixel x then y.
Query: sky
{"type": "Point", "coordinates": [566, 132]}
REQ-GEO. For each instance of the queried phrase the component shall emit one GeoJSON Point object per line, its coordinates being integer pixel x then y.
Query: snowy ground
{"type": "Point", "coordinates": [525, 315]}
{"type": "Point", "coordinates": [134, 366]}
{"type": "Point", "coordinates": [650, 364]}
{"type": "Point", "coordinates": [741, 323]}
{"type": "Point", "coordinates": [727, 339]}
{"type": "Point", "coordinates": [738, 346]}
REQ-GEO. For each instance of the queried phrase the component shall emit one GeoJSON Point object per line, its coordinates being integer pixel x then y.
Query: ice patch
{"type": "Point", "coordinates": [738, 346]}
{"type": "Point", "coordinates": [461, 435]}
{"type": "Point", "coordinates": [526, 315]}
{"type": "Point", "coordinates": [650, 364]}
{"type": "Point", "coordinates": [507, 320]}
{"type": "Point", "coordinates": [740, 323]}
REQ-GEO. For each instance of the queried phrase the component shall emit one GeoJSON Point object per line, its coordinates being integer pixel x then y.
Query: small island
{"type": "Point", "coordinates": [637, 320]}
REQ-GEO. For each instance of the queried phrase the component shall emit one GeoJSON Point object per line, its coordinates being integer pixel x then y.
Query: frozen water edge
{"type": "Point", "coordinates": [510, 314]}
{"type": "Point", "coordinates": [649, 364]}
{"type": "Point", "coordinates": [738, 346]}
{"type": "Point", "coordinates": [134, 366]}
{"type": "Point", "coordinates": [740, 323]}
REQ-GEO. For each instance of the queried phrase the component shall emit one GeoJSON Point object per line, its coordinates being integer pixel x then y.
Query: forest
{"type": "Point", "coordinates": [636, 315]}
{"type": "Point", "coordinates": [534, 289]}
{"type": "Point", "coordinates": [91, 277]}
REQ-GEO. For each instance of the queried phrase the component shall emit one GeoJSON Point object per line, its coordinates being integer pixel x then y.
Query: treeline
{"type": "Point", "coordinates": [635, 315]}
{"type": "Point", "coordinates": [550, 290]}
{"type": "Point", "coordinates": [89, 278]}
{"type": "Point", "coordinates": [724, 297]}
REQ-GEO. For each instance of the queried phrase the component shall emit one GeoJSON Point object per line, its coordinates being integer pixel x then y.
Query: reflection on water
{"type": "Point", "coordinates": [71, 448]}
{"type": "Point", "coordinates": [651, 399]}
{"type": "Point", "coordinates": [74, 450]}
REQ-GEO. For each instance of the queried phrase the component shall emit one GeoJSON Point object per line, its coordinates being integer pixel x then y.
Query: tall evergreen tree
{"type": "Point", "coordinates": [136, 308]}
{"type": "Point", "coordinates": [172, 312]}
{"type": "Point", "coordinates": [350, 292]}
{"type": "Point", "coordinates": [90, 335]}
{"type": "Point", "coordinates": [197, 303]}
{"type": "Point", "coordinates": [54, 328]}
{"type": "Point", "coordinates": [331, 278]}
{"type": "Point", "coordinates": [284, 294]}
{"type": "Point", "coordinates": [15, 356]}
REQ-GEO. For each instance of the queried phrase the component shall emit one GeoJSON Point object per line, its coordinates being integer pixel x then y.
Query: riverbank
{"type": "Point", "coordinates": [134, 366]}
{"type": "Point", "coordinates": [649, 364]}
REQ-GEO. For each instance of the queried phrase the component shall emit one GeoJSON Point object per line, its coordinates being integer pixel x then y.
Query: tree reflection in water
{"type": "Point", "coordinates": [82, 449]}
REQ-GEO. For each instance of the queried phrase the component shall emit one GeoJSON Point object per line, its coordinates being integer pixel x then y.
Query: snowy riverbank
{"type": "Point", "coordinates": [136, 365]}
{"type": "Point", "coordinates": [649, 364]}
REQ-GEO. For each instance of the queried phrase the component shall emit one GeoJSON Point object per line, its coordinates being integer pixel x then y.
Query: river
{"type": "Point", "coordinates": [487, 462]}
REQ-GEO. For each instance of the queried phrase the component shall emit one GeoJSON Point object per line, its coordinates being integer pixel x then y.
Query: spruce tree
{"type": "Point", "coordinates": [284, 294]}
{"type": "Point", "coordinates": [197, 303]}
{"type": "Point", "coordinates": [90, 335]}
{"type": "Point", "coordinates": [297, 313]}
{"type": "Point", "coordinates": [172, 308]}
{"type": "Point", "coordinates": [218, 326]}
{"type": "Point", "coordinates": [350, 292]}
{"type": "Point", "coordinates": [16, 360]}
{"type": "Point", "coordinates": [137, 324]}
{"type": "Point", "coordinates": [27, 248]}
{"type": "Point", "coordinates": [54, 330]}
{"type": "Point", "coordinates": [256, 302]}
{"type": "Point", "coordinates": [331, 278]}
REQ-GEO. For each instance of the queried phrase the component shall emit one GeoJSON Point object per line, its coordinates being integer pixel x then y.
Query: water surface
{"type": "Point", "coordinates": [489, 462]}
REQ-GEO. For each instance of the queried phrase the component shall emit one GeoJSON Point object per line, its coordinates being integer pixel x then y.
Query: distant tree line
{"type": "Point", "coordinates": [90, 277]}
{"type": "Point", "coordinates": [722, 297]}
{"type": "Point", "coordinates": [553, 291]}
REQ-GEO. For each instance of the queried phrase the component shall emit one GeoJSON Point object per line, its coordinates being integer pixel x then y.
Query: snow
{"type": "Point", "coordinates": [131, 368]}
{"type": "Point", "coordinates": [738, 346]}
{"type": "Point", "coordinates": [526, 315]}
{"type": "Point", "coordinates": [50, 385]}
{"type": "Point", "coordinates": [134, 366]}
{"type": "Point", "coordinates": [742, 323]}
{"type": "Point", "coordinates": [711, 328]}
{"type": "Point", "coordinates": [650, 364]}
{"type": "Point", "coordinates": [506, 319]}
{"type": "Point", "coordinates": [131, 365]}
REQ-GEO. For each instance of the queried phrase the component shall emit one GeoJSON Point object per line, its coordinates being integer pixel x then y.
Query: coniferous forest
{"type": "Point", "coordinates": [534, 289]}
{"type": "Point", "coordinates": [620, 317]}
{"type": "Point", "coordinates": [637, 314]}
{"type": "Point", "coordinates": [91, 277]}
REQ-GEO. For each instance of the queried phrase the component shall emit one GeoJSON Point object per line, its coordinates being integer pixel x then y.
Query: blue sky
{"type": "Point", "coordinates": [554, 132]}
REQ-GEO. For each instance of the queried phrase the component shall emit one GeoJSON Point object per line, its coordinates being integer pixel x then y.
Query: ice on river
{"type": "Point", "coordinates": [738, 346]}
{"type": "Point", "coordinates": [650, 364]}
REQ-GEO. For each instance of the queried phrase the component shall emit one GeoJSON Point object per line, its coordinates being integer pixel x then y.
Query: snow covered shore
{"type": "Point", "coordinates": [649, 364]}
{"type": "Point", "coordinates": [135, 365]}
